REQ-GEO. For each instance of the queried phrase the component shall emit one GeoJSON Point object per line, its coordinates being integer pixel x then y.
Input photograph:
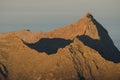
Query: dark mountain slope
{"type": "Point", "coordinates": [80, 51]}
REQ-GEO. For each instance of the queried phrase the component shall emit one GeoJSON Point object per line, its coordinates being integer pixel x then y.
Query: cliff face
{"type": "Point", "coordinates": [80, 51]}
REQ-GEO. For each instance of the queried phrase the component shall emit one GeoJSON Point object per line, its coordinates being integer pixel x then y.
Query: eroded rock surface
{"type": "Point", "coordinates": [80, 51]}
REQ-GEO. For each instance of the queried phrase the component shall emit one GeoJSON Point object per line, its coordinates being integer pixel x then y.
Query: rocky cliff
{"type": "Point", "coordinates": [80, 51]}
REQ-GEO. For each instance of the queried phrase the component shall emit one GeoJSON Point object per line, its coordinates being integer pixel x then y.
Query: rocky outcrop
{"type": "Point", "coordinates": [84, 26]}
{"type": "Point", "coordinates": [80, 51]}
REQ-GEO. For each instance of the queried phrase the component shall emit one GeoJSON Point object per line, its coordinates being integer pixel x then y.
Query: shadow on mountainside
{"type": "Point", "coordinates": [107, 51]}
{"type": "Point", "coordinates": [104, 46]}
{"type": "Point", "coordinates": [49, 46]}
{"type": "Point", "coordinates": [3, 71]}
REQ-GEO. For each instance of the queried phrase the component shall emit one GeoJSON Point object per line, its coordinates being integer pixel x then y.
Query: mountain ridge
{"type": "Point", "coordinates": [80, 51]}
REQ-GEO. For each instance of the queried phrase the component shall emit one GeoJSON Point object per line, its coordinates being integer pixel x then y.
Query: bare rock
{"type": "Point", "coordinates": [80, 51]}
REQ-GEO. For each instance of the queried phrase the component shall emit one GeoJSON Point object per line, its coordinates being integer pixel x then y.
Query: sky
{"type": "Point", "coordinates": [46, 15]}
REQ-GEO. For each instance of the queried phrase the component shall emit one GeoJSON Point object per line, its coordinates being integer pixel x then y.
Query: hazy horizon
{"type": "Point", "coordinates": [44, 15]}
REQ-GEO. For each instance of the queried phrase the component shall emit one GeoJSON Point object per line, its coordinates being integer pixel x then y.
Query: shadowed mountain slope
{"type": "Point", "coordinates": [80, 51]}
{"type": "Point", "coordinates": [49, 46]}
{"type": "Point", "coordinates": [104, 45]}
{"type": "Point", "coordinates": [88, 30]}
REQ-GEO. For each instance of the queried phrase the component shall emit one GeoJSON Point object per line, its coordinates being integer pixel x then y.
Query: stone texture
{"type": "Point", "coordinates": [89, 55]}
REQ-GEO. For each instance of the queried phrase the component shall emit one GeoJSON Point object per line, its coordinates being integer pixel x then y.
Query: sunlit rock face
{"type": "Point", "coordinates": [82, 50]}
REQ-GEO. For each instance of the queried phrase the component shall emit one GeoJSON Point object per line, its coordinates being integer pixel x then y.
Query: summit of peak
{"type": "Point", "coordinates": [84, 26]}
{"type": "Point", "coordinates": [89, 15]}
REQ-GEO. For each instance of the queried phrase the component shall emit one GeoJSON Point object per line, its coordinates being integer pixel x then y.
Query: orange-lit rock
{"type": "Point", "coordinates": [80, 51]}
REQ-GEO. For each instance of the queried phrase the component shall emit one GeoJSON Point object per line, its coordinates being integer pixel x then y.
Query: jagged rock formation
{"type": "Point", "coordinates": [80, 51]}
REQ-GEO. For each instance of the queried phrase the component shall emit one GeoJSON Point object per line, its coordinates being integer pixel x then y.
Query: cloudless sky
{"type": "Point", "coordinates": [46, 15]}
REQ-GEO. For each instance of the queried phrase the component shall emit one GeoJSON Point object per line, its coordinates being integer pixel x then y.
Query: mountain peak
{"type": "Point", "coordinates": [80, 51]}
{"type": "Point", "coordinates": [84, 26]}
{"type": "Point", "coordinates": [89, 15]}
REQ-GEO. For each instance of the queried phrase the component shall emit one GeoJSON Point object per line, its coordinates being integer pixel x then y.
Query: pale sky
{"type": "Point", "coordinates": [46, 15]}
